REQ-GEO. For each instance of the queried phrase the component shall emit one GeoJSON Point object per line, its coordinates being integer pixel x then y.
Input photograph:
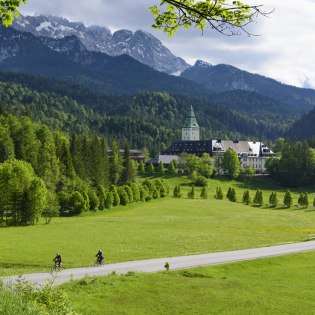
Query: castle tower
{"type": "Point", "coordinates": [190, 130]}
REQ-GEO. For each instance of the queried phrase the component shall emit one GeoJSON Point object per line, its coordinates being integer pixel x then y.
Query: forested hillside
{"type": "Point", "coordinates": [303, 128]}
{"type": "Point", "coordinates": [150, 120]}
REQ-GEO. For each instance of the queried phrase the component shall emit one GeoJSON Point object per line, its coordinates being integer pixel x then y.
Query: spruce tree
{"type": "Point", "coordinates": [116, 199]}
{"type": "Point", "coordinates": [141, 168]}
{"type": "Point", "coordinates": [288, 200]}
{"type": "Point", "coordinates": [161, 169]}
{"type": "Point", "coordinates": [115, 163]}
{"type": "Point", "coordinates": [101, 194]}
{"type": "Point", "coordinates": [191, 193]}
{"type": "Point", "coordinates": [301, 200]}
{"type": "Point", "coordinates": [220, 194]}
{"type": "Point", "coordinates": [271, 198]}
{"type": "Point", "coordinates": [123, 196]}
{"type": "Point", "coordinates": [229, 193]}
{"type": "Point", "coordinates": [233, 196]}
{"type": "Point", "coordinates": [171, 168]}
{"type": "Point", "coordinates": [128, 170]}
{"type": "Point", "coordinates": [136, 192]}
{"type": "Point", "coordinates": [109, 200]}
{"type": "Point", "coordinates": [204, 193]}
{"type": "Point", "coordinates": [246, 197]}
{"type": "Point", "coordinates": [150, 169]}
{"type": "Point", "coordinates": [129, 193]}
{"type": "Point", "coordinates": [258, 199]}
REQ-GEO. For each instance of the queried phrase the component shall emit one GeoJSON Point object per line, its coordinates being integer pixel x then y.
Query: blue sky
{"type": "Point", "coordinates": [285, 50]}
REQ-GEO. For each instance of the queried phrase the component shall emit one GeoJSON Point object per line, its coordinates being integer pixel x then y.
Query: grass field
{"type": "Point", "coordinates": [161, 228]}
{"type": "Point", "coordinates": [281, 285]}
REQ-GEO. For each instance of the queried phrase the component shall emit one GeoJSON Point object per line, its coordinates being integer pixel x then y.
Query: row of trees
{"type": "Point", "coordinates": [259, 198]}
{"type": "Point", "coordinates": [70, 173]}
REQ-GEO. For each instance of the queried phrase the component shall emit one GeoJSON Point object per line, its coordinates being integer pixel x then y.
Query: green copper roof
{"type": "Point", "coordinates": [191, 121]}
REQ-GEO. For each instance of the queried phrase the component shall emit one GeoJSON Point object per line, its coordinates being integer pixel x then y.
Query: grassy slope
{"type": "Point", "coordinates": [160, 228]}
{"type": "Point", "coordinates": [281, 285]}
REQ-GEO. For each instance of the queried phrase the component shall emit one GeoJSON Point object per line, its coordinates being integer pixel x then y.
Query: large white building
{"type": "Point", "coordinates": [251, 154]}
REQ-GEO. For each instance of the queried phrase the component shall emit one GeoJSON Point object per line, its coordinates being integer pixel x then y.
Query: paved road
{"type": "Point", "coordinates": [182, 262]}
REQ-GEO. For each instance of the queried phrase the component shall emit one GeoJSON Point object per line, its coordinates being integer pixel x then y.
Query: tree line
{"type": "Point", "coordinates": [51, 173]}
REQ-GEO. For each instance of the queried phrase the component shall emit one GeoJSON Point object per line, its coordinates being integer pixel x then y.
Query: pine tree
{"type": "Point", "coordinates": [105, 165]}
{"type": "Point", "coordinates": [161, 169]}
{"type": "Point", "coordinates": [171, 168]}
{"type": "Point", "coordinates": [204, 193]}
{"type": "Point", "coordinates": [150, 169]}
{"type": "Point", "coordinates": [94, 201]}
{"type": "Point", "coordinates": [115, 163]}
{"type": "Point", "coordinates": [101, 194]}
{"type": "Point", "coordinates": [271, 198]}
{"type": "Point", "coordinates": [258, 199]}
{"type": "Point", "coordinates": [141, 168]}
{"type": "Point", "coordinates": [123, 196]}
{"type": "Point", "coordinates": [129, 193]}
{"type": "Point", "coordinates": [116, 199]}
{"type": "Point", "coordinates": [220, 194]}
{"type": "Point", "coordinates": [159, 184]}
{"type": "Point", "coordinates": [301, 200]}
{"type": "Point", "coordinates": [129, 170]}
{"type": "Point", "coordinates": [109, 200]}
{"type": "Point", "coordinates": [233, 196]}
{"type": "Point", "coordinates": [229, 193]}
{"type": "Point", "coordinates": [191, 194]}
{"type": "Point", "coordinates": [136, 192]}
{"type": "Point", "coordinates": [288, 200]}
{"type": "Point", "coordinates": [246, 197]}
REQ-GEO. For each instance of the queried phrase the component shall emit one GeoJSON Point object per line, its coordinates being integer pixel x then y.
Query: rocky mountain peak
{"type": "Point", "coordinates": [140, 45]}
{"type": "Point", "coordinates": [202, 64]}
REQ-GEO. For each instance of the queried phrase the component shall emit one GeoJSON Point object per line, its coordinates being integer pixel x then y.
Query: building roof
{"type": "Point", "coordinates": [165, 159]}
{"type": "Point", "coordinates": [197, 147]}
{"type": "Point", "coordinates": [191, 121]}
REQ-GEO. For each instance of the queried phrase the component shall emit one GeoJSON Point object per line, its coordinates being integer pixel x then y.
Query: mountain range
{"type": "Point", "coordinates": [139, 45]}
{"type": "Point", "coordinates": [67, 58]}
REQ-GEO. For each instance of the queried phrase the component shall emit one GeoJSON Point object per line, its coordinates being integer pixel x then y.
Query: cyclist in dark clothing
{"type": "Point", "coordinates": [57, 260]}
{"type": "Point", "coordinates": [100, 257]}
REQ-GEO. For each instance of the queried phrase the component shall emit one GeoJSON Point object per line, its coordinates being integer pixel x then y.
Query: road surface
{"type": "Point", "coordinates": [154, 265]}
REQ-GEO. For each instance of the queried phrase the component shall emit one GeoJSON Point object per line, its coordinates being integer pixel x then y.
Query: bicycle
{"type": "Point", "coordinates": [56, 268]}
{"type": "Point", "coordinates": [98, 263]}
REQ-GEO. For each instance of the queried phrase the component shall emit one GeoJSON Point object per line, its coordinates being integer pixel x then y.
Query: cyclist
{"type": "Point", "coordinates": [57, 260]}
{"type": "Point", "coordinates": [100, 257]}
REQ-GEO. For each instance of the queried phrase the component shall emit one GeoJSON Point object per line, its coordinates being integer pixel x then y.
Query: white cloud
{"type": "Point", "coordinates": [284, 51]}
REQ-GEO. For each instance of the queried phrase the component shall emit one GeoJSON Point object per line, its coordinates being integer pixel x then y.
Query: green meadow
{"type": "Point", "coordinates": [280, 285]}
{"type": "Point", "coordinates": [159, 228]}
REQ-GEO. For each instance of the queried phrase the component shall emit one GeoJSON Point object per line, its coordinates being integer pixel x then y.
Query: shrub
{"type": "Point", "coordinates": [200, 181]}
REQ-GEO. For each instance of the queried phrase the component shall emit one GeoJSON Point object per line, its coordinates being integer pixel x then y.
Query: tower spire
{"type": "Point", "coordinates": [190, 130]}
